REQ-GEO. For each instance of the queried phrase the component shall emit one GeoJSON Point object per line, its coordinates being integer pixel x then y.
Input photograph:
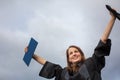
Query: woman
{"type": "Point", "coordinates": [79, 68]}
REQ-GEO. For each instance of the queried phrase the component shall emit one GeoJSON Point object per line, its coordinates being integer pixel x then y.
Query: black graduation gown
{"type": "Point", "coordinates": [89, 70]}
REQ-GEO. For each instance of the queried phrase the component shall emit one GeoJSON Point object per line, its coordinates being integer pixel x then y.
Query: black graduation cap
{"type": "Point", "coordinates": [113, 11]}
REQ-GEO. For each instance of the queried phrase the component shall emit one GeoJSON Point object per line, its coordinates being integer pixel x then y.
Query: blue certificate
{"type": "Point", "coordinates": [29, 54]}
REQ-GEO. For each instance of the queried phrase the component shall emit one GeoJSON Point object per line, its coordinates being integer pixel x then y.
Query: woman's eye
{"type": "Point", "coordinates": [70, 53]}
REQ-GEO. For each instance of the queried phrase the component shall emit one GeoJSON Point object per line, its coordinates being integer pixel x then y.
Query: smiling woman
{"type": "Point", "coordinates": [74, 56]}
{"type": "Point", "coordinates": [79, 68]}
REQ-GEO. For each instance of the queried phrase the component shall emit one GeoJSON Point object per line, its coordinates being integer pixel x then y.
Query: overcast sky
{"type": "Point", "coordinates": [55, 24]}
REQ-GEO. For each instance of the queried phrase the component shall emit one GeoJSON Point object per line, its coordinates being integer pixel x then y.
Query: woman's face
{"type": "Point", "coordinates": [74, 55]}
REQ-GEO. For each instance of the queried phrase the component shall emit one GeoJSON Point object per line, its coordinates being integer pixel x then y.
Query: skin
{"type": "Point", "coordinates": [74, 55]}
{"type": "Point", "coordinates": [108, 29]}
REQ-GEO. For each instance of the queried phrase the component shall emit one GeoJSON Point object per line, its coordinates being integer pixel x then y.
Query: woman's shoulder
{"type": "Point", "coordinates": [90, 63]}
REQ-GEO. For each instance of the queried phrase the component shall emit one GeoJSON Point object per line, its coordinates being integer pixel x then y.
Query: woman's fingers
{"type": "Point", "coordinates": [26, 49]}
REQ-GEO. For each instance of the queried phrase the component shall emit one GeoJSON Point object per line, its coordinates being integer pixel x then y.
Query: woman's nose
{"type": "Point", "coordinates": [74, 54]}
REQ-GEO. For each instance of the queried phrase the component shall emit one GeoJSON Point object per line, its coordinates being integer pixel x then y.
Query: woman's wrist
{"type": "Point", "coordinates": [113, 17]}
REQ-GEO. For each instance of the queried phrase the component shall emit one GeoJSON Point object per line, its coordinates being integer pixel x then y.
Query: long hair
{"type": "Point", "coordinates": [74, 67]}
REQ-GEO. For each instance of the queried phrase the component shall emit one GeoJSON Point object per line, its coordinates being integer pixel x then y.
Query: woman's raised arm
{"type": "Point", "coordinates": [39, 59]}
{"type": "Point", "coordinates": [108, 29]}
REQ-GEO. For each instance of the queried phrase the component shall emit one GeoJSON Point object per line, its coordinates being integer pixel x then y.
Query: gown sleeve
{"type": "Point", "coordinates": [102, 50]}
{"type": "Point", "coordinates": [50, 70]}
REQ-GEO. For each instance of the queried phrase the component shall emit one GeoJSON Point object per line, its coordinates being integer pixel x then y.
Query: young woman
{"type": "Point", "coordinates": [79, 68]}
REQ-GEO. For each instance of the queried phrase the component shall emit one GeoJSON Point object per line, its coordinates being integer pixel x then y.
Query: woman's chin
{"type": "Point", "coordinates": [76, 61]}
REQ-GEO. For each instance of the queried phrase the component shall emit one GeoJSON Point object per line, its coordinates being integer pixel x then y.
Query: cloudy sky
{"type": "Point", "coordinates": [55, 24]}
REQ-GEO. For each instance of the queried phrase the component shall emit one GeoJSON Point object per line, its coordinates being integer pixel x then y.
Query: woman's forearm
{"type": "Point", "coordinates": [39, 59]}
{"type": "Point", "coordinates": [108, 29]}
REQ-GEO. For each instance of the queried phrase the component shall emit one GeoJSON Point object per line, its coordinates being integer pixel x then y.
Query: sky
{"type": "Point", "coordinates": [55, 24]}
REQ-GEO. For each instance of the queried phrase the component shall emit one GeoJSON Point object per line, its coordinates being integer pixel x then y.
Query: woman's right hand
{"type": "Point", "coordinates": [112, 15]}
{"type": "Point", "coordinates": [25, 49]}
